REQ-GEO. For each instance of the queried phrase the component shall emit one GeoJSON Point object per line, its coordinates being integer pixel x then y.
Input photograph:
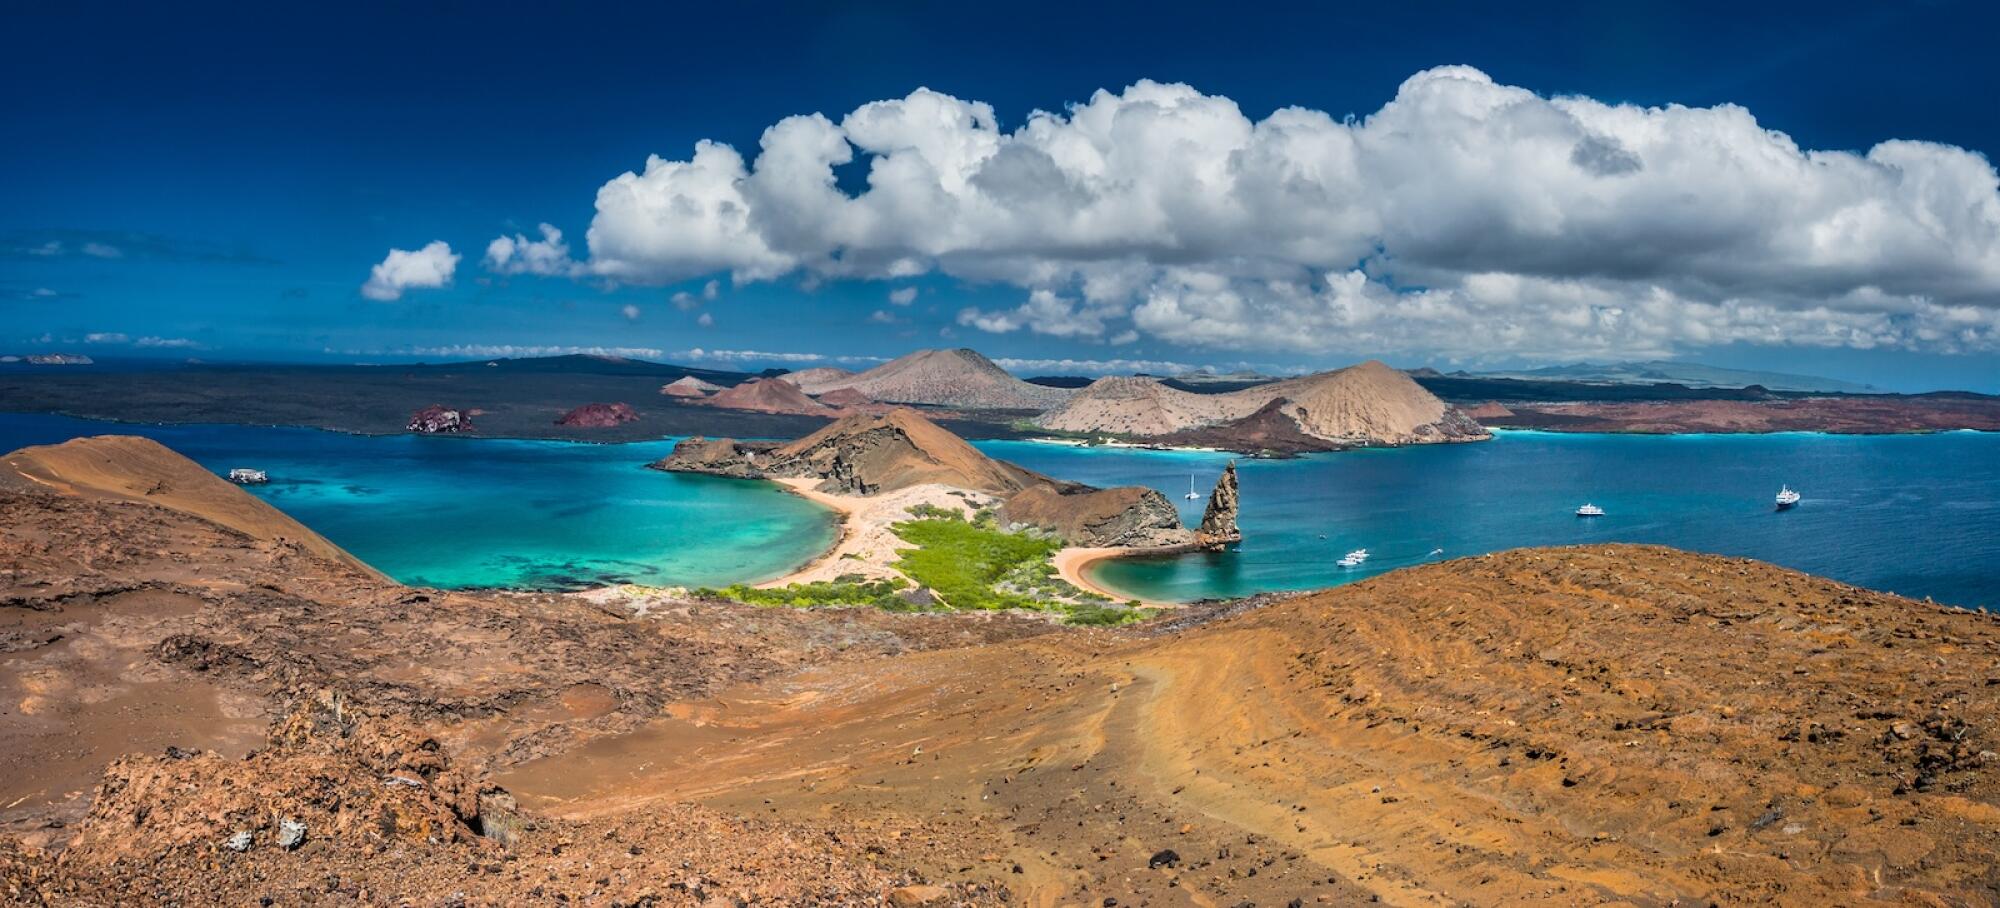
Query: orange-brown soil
{"type": "Point", "coordinates": [1601, 725]}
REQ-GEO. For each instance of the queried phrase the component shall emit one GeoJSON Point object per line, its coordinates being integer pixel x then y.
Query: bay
{"type": "Point", "coordinates": [1917, 515]}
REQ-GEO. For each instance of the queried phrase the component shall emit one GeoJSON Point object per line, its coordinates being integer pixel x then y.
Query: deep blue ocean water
{"type": "Point", "coordinates": [463, 513]}
{"type": "Point", "coordinates": [1916, 515]}
{"type": "Point", "coordinates": [1912, 514]}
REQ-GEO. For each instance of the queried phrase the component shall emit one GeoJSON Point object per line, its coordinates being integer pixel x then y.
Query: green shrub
{"type": "Point", "coordinates": [848, 590]}
{"type": "Point", "coordinates": [962, 563]}
{"type": "Point", "coordinates": [924, 510]}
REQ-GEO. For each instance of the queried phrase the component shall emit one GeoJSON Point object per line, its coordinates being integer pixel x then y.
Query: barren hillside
{"type": "Point", "coordinates": [942, 378]}
{"type": "Point", "coordinates": [1368, 403]}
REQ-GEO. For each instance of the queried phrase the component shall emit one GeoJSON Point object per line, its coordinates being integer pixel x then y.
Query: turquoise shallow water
{"type": "Point", "coordinates": [463, 513]}
{"type": "Point", "coordinates": [1916, 515]}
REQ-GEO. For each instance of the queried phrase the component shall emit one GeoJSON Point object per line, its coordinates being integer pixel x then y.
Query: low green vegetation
{"type": "Point", "coordinates": [848, 589]}
{"type": "Point", "coordinates": [966, 564]}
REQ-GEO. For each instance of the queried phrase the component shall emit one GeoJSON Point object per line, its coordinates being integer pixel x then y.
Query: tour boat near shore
{"type": "Point", "coordinates": [1589, 510]}
{"type": "Point", "coordinates": [1787, 497]}
{"type": "Point", "coordinates": [244, 476]}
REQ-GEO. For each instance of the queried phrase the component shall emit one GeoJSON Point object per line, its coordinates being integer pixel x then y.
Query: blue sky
{"type": "Point", "coordinates": [220, 183]}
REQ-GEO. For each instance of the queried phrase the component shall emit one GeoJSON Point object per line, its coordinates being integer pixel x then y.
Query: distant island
{"type": "Point", "coordinates": [1358, 406]}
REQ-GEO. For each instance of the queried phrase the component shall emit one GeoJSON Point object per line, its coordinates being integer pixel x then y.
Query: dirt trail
{"type": "Point", "coordinates": [1559, 727]}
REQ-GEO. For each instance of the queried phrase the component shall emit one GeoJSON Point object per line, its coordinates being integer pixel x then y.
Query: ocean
{"type": "Point", "coordinates": [462, 513]}
{"type": "Point", "coordinates": [1915, 515]}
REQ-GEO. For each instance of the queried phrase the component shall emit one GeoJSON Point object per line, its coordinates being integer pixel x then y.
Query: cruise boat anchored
{"type": "Point", "coordinates": [1786, 497]}
{"type": "Point", "coordinates": [1192, 495]}
{"type": "Point", "coordinates": [1354, 558]}
{"type": "Point", "coordinates": [1589, 510]}
{"type": "Point", "coordinates": [243, 476]}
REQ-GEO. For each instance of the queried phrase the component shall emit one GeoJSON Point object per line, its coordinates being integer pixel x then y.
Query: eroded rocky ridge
{"type": "Point", "coordinates": [869, 454]}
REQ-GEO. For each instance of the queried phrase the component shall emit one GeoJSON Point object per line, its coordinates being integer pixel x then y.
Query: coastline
{"type": "Point", "coordinates": [1071, 562]}
{"type": "Point", "coordinates": [866, 545]}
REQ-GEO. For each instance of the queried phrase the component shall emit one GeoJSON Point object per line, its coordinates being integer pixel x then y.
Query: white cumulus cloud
{"type": "Point", "coordinates": [548, 256]}
{"type": "Point", "coordinates": [429, 267]}
{"type": "Point", "coordinates": [1463, 215]}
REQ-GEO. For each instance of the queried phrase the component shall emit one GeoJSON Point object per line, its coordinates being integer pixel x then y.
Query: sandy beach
{"type": "Point", "coordinates": [867, 545]}
{"type": "Point", "coordinates": [1071, 562]}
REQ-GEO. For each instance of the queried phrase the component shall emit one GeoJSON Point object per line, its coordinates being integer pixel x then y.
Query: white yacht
{"type": "Point", "coordinates": [1786, 497]}
{"type": "Point", "coordinates": [1351, 560]}
{"type": "Point", "coordinates": [1192, 495]}
{"type": "Point", "coordinates": [1589, 510]}
{"type": "Point", "coordinates": [244, 476]}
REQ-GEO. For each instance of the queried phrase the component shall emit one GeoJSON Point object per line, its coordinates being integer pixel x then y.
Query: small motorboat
{"type": "Point", "coordinates": [1589, 510]}
{"type": "Point", "coordinates": [1351, 560]}
{"type": "Point", "coordinates": [244, 476]}
{"type": "Point", "coordinates": [1435, 552]}
{"type": "Point", "coordinates": [1787, 498]}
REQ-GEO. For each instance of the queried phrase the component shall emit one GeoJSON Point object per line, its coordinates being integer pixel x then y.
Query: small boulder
{"type": "Point", "coordinates": [291, 833]}
{"type": "Point", "coordinates": [1165, 857]}
{"type": "Point", "coordinates": [239, 842]}
{"type": "Point", "coordinates": [913, 896]}
{"type": "Point", "coordinates": [438, 419]}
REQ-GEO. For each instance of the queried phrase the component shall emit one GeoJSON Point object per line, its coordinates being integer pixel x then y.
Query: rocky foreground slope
{"type": "Point", "coordinates": [1365, 404]}
{"type": "Point", "coordinates": [870, 454]}
{"type": "Point", "coordinates": [200, 714]}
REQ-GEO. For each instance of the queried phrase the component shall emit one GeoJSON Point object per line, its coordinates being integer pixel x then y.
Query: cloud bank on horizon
{"type": "Point", "coordinates": [1463, 218]}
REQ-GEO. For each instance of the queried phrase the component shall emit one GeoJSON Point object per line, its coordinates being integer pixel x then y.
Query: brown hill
{"type": "Point", "coordinates": [1365, 404]}
{"type": "Point", "coordinates": [1125, 516]}
{"type": "Point", "coordinates": [768, 395]}
{"type": "Point", "coordinates": [845, 397]}
{"type": "Point", "coordinates": [1600, 725]}
{"type": "Point", "coordinates": [688, 386]}
{"type": "Point", "coordinates": [863, 454]}
{"type": "Point", "coordinates": [1142, 407]}
{"type": "Point", "coordinates": [866, 454]}
{"type": "Point", "coordinates": [127, 468]}
{"type": "Point", "coordinates": [818, 379]}
{"type": "Point", "coordinates": [960, 378]}
{"type": "Point", "coordinates": [873, 453]}
{"type": "Point", "coordinates": [1369, 403]}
